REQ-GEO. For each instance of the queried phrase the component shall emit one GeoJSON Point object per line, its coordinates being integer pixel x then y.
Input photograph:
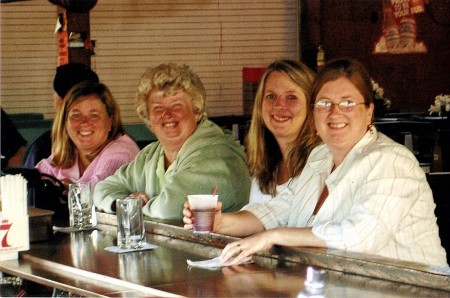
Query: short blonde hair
{"type": "Point", "coordinates": [169, 79]}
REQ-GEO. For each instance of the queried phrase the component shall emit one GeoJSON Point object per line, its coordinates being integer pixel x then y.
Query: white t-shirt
{"type": "Point", "coordinates": [256, 195]}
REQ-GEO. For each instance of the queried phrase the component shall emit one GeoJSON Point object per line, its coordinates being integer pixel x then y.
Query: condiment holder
{"type": "Point", "coordinates": [14, 227]}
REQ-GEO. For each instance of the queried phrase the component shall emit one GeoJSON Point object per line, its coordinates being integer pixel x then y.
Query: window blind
{"type": "Point", "coordinates": [216, 38]}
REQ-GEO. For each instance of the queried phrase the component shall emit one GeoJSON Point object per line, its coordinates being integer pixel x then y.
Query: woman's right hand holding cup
{"type": "Point", "coordinates": [188, 216]}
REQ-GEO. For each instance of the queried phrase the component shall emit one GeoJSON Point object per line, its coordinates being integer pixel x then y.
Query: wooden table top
{"type": "Point", "coordinates": [78, 263]}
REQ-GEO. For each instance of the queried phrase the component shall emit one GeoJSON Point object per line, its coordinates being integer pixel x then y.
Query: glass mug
{"type": "Point", "coordinates": [81, 206]}
{"type": "Point", "coordinates": [130, 223]}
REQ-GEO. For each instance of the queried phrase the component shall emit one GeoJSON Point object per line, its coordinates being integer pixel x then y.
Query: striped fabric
{"type": "Point", "coordinates": [379, 202]}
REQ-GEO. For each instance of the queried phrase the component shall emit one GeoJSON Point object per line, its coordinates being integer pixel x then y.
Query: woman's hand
{"type": "Point", "coordinates": [140, 195]}
{"type": "Point", "coordinates": [188, 221]}
{"type": "Point", "coordinates": [235, 252]}
{"type": "Point", "coordinates": [263, 241]}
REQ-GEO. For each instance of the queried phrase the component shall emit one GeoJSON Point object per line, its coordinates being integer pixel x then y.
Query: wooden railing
{"type": "Point", "coordinates": [337, 260]}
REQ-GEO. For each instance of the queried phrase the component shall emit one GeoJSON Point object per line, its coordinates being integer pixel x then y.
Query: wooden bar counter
{"type": "Point", "coordinates": [78, 263]}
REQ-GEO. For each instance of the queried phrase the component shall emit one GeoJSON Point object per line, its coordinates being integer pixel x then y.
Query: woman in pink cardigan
{"type": "Point", "coordinates": [89, 141]}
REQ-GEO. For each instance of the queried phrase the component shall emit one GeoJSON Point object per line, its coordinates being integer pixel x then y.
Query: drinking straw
{"type": "Point", "coordinates": [214, 191]}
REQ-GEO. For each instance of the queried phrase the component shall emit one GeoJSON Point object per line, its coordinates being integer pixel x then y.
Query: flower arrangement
{"type": "Point", "coordinates": [441, 105]}
{"type": "Point", "coordinates": [382, 104]}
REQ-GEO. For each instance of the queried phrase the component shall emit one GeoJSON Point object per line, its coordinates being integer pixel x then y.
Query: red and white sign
{"type": "Point", "coordinates": [399, 30]}
{"type": "Point", "coordinates": [14, 236]}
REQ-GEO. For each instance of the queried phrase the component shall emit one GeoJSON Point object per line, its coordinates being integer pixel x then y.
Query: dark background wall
{"type": "Point", "coordinates": [351, 28]}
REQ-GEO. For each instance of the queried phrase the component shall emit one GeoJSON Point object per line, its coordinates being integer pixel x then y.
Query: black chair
{"type": "Point", "coordinates": [238, 124]}
{"type": "Point", "coordinates": [392, 129]}
{"type": "Point", "coordinates": [440, 185]}
{"type": "Point", "coordinates": [422, 133]}
{"type": "Point", "coordinates": [410, 134]}
{"type": "Point", "coordinates": [441, 151]}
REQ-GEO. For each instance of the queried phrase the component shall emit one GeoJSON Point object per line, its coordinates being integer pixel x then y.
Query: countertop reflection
{"type": "Point", "coordinates": [78, 262]}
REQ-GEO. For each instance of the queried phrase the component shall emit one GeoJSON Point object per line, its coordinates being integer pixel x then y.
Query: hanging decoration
{"type": "Point", "coordinates": [80, 6]}
{"type": "Point", "coordinates": [399, 31]}
{"type": "Point", "coordinates": [72, 29]}
{"type": "Point", "coordinates": [63, 39]}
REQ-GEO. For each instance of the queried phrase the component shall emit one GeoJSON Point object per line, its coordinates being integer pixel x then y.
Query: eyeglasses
{"type": "Point", "coordinates": [345, 106]}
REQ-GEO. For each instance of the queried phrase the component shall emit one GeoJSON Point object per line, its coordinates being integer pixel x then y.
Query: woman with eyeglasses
{"type": "Point", "coordinates": [359, 191]}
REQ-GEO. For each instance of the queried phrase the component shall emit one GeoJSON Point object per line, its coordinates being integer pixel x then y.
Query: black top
{"type": "Point", "coordinates": [39, 149]}
{"type": "Point", "coordinates": [12, 140]}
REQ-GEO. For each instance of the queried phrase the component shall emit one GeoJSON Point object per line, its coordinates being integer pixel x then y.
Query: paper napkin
{"type": "Point", "coordinates": [117, 250]}
{"type": "Point", "coordinates": [216, 263]}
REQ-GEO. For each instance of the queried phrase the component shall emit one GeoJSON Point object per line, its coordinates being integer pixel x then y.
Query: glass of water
{"type": "Point", "coordinates": [81, 206]}
{"type": "Point", "coordinates": [130, 223]}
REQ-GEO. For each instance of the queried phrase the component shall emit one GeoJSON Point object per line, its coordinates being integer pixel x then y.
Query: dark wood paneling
{"type": "Point", "coordinates": [351, 28]}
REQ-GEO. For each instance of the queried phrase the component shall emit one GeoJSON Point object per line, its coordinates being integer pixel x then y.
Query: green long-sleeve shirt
{"type": "Point", "coordinates": [209, 157]}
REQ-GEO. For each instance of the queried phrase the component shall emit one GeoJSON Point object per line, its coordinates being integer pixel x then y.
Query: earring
{"type": "Point", "coordinates": [369, 127]}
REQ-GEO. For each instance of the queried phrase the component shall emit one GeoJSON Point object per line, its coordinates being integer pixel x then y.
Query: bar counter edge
{"type": "Point", "coordinates": [366, 269]}
{"type": "Point", "coordinates": [332, 259]}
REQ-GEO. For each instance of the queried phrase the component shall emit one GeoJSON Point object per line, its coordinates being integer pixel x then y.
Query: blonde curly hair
{"type": "Point", "coordinates": [169, 79]}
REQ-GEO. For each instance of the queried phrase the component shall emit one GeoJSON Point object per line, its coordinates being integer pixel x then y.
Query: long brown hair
{"type": "Point", "coordinates": [264, 154]}
{"type": "Point", "coordinates": [63, 149]}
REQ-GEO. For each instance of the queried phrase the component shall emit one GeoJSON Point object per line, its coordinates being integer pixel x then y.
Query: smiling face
{"type": "Point", "coordinates": [88, 123]}
{"type": "Point", "coordinates": [172, 118]}
{"type": "Point", "coordinates": [283, 107]}
{"type": "Point", "coordinates": [341, 131]}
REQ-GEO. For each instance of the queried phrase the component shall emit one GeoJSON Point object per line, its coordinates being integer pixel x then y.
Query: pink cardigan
{"type": "Point", "coordinates": [117, 153]}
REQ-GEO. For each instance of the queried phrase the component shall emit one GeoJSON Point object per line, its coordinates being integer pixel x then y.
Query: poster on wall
{"type": "Point", "coordinates": [399, 30]}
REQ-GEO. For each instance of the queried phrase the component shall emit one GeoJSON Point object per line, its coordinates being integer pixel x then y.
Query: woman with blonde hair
{"type": "Point", "coordinates": [191, 156]}
{"type": "Point", "coordinates": [281, 133]}
{"type": "Point", "coordinates": [88, 140]}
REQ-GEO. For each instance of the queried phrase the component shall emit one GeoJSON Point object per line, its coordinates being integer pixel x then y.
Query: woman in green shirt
{"type": "Point", "coordinates": [191, 156]}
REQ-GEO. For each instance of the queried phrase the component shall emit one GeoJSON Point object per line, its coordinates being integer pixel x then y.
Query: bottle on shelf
{"type": "Point", "coordinates": [320, 58]}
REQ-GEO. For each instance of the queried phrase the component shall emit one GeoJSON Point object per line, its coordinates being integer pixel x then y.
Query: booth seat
{"type": "Point", "coordinates": [25, 116]}
{"type": "Point", "coordinates": [31, 129]}
{"type": "Point", "coordinates": [140, 133]}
